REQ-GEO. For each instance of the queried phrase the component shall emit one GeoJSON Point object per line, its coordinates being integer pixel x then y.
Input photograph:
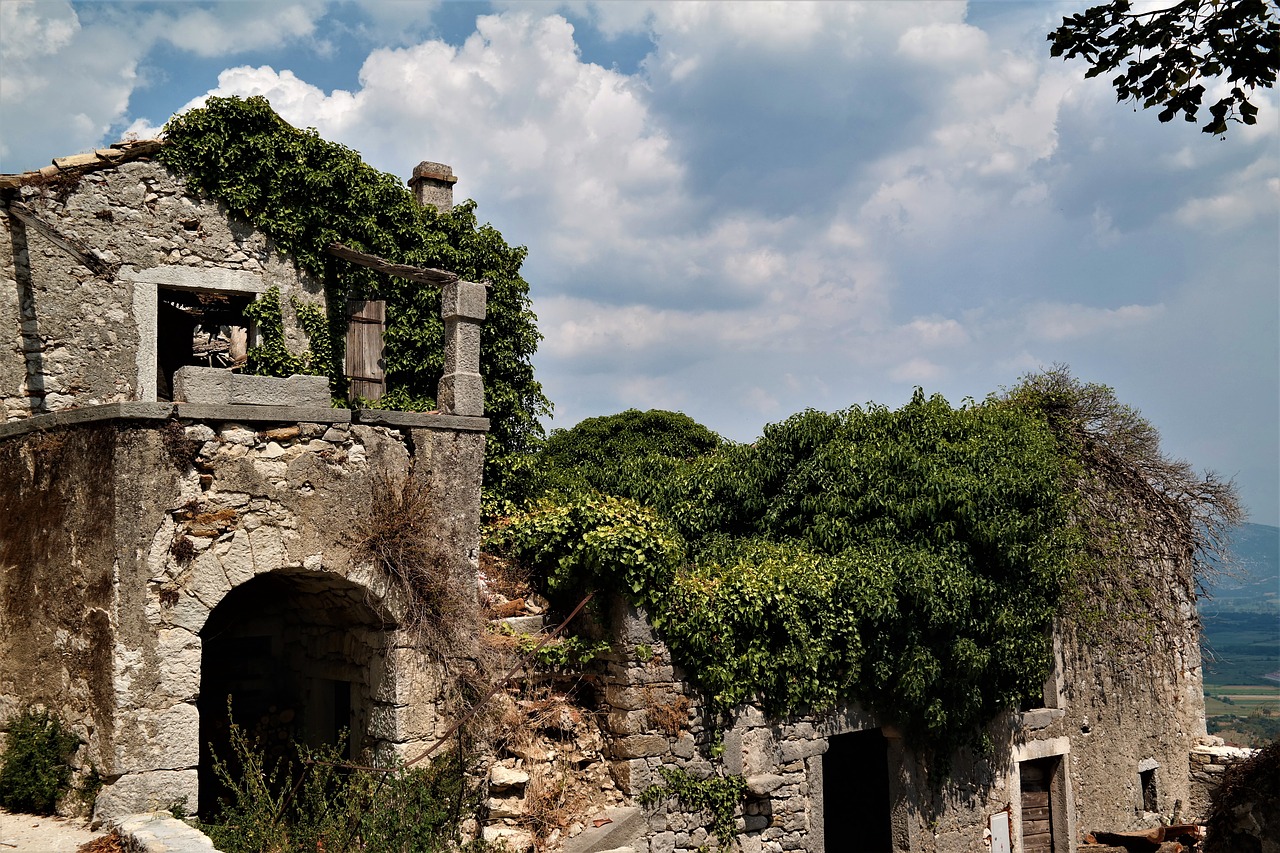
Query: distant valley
{"type": "Point", "coordinates": [1241, 620]}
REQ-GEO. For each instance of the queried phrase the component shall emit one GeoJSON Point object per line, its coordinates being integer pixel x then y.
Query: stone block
{"type": "Point", "coordinates": [179, 652]}
{"type": "Point", "coordinates": [627, 722]}
{"type": "Point", "coordinates": [763, 783]}
{"type": "Point", "coordinates": [461, 394]}
{"type": "Point", "coordinates": [663, 842]}
{"type": "Point", "coordinates": [759, 752]}
{"type": "Point", "coordinates": [796, 750]}
{"type": "Point", "coordinates": [508, 838]}
{"type": "Point", "coordinates": [463, 299]}
{"type": "Point", "coordinates": [525, 624]}
{"type": "Point", "coordinates": [505, 778]}
{"type": "Point", "coordinates": [154, 832]}
{"type": "Point", "coordinates": [631, 776]}
{"type": "Point", "coordinates": [165, 739]}
{"type": "Point", "coordinates": [640, 746]}
{"type": "Point", "coordinates": [193, 384]}
{"type": "Point", "coordinates": [146, 792]}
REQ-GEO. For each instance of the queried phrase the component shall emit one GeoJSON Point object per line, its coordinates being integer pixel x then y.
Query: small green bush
{"type": "Point", "coordinates": [35, 769]}
{"type": "Point", "coordinates": [320, 803]}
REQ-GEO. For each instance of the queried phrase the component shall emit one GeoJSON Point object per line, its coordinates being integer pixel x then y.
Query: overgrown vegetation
{"type": "Point", "coordinates": [910, 560]}
{"type": "Point", "coordinates": [317, 803]}
{"type": "Point", "coordinates": [35, 768]}
{"type": "Point", "coordinates": [307, 193]}
{"type": "Point", "coordinates": [718, 796]}
{"type": "Point", "coordinates": [271, 356]}
{"type": "Point", "coordinates": [396, 535]}
{"type": "Point", "coordinates": [1245, 811]}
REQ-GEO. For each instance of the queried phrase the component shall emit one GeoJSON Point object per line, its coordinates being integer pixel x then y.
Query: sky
{"type": "Point", "coordinates": [743, 210]}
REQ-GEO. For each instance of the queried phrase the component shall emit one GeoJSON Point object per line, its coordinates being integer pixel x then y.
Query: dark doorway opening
{"type": "Point", "coordinates": [291, 659]}
{"type": "Point", "coordinates": [855, 794]}
{"type": "Point", "coordinates": [201, 328]}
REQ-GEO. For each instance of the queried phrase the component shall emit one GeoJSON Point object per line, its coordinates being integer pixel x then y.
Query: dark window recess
{"type": "Point", "coordinates": [1147, 778]}
{"type": "Point", "coordinates": [855, 794]}
{"type": "Point", "coordinates": [201, 328]}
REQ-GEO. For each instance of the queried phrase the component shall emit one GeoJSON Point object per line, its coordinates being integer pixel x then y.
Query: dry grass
{"type": "Point", "coordinates": [111, 843]}
{"type": "Point", "coordinates": [671, 717]}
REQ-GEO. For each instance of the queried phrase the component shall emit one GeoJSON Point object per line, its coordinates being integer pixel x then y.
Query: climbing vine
{"type": "Point", "coordinates": [307, 193]}
{"type": "Point", "coordinates": [719, 796]}
{"type": "Point", "coordinates": [910, 560]}
{"type": "Point", "coordinates": [271, 356]}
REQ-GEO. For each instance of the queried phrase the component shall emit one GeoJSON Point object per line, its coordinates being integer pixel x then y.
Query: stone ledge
{"type": "Point", "coordinates": [260, 414]}
{"type": "Point", "coordinates": [236, 413]}
{"type": "Point", "coordinates": [422, 420]}
{"type": "Point", "coordinates": [88, 414]}
{"type": "Point", "coordinates": [160, 832]}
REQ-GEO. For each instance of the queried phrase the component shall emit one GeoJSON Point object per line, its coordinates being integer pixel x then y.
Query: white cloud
{"type": "Point", "coordinates": [1245, 196]}
{"type": "Point", "coordinates": [943, 44]}
{"type": "Point", "coordinates": [66, 76]}
{"type": "Point", "coordinates": [1057, 322]}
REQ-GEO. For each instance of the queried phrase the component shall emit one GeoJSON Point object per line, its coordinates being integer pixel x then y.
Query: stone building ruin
{"type": "Point", "coordinates": [172, 531]}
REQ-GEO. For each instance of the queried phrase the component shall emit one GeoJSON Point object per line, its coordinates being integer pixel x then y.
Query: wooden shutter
{"type": "Point", "coordinates": [364, 365]}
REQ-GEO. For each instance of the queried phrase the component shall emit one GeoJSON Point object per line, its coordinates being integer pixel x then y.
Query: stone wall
{"type": "Point", "coordinates": [124, 536]}
{"type": "Point", "coordinates": [76, 337]}
{"type": "Point", "coordinates": [1103, 726]}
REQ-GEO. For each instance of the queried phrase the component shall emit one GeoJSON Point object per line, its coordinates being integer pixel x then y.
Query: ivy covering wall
{"type": "Point", "coordinates": [911, 560]}
{"type": "Point", "coordinates": [307, 193]}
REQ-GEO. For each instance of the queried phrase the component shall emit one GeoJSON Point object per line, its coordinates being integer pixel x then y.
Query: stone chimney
{"type": "Point", "coordinates": [432, 183]}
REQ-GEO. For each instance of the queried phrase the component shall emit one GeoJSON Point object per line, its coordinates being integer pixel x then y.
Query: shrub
{"type": "Point", "coordinates": [321, 803]}
{"type": "Point", "coordinates": [35, 769]}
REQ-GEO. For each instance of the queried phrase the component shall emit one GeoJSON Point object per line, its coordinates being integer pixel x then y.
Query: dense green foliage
{"type": "Point", "coordinates": [1170, 54]}
{"type": "Point", "coordinates": [35, 769]}
{"type": "Point", "coordinates": [271, 356]}
{"type": "Point", "coordinates": [912, 560]}
{"type": "Point", "coordinates": [307, 193]}
{"type": "Point", "coordinates": [719, 796]}
{"type": "Point", "coordinates": [316, 804]}
{"type": "Point", "coordinates": [907, 559]}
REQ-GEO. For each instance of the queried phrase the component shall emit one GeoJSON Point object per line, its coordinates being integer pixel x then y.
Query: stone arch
{"type": "Point", "coordinates": [303, 656]}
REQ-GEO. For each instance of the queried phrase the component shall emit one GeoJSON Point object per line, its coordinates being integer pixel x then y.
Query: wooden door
{"type": "Point", "coordinates": [364, 366]}
{"type": "Point", "coordinates": [1037, 818]}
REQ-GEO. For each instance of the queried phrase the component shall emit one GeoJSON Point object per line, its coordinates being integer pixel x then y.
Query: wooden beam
{"type": "Point", "coordinates": [421, 275]}
{"type": "Point", "coordinates": [72, 246]}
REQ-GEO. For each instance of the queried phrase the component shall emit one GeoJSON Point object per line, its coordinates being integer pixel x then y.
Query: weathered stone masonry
{"type": "Point", "coordinates": [158, 555]}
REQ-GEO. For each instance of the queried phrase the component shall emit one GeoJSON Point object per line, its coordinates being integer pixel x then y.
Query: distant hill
{"type": "Point", "coordinates": [1241, 619]}
{"type": "Point", "coordinates": [1253, 581]}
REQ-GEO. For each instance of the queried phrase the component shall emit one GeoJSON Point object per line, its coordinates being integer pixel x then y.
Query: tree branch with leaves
{"type": "Point", "coordinates": [1167, 56]}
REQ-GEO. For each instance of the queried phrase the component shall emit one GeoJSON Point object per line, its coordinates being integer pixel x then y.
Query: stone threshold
{"type": "Point", "coordinates": [236, 413]}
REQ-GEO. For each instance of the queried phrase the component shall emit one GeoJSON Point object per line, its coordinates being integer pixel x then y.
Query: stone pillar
{"type": "Point", "coordinates": [461, 391]}
{"type": "Point", "coordinates": [432, 183]}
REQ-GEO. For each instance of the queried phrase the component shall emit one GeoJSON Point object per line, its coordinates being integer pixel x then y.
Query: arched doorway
{"type": "Point", "coordinates": [302, 658]}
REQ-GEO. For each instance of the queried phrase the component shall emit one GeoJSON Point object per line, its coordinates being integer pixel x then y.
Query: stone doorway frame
{"type": "Point", "coordinates": [1061, 799]}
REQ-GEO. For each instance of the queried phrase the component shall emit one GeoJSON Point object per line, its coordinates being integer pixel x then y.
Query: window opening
{"type": "Point", "coordinates": [200, 328]}
{"type": "Point", "coordinates": [1147, 781]}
